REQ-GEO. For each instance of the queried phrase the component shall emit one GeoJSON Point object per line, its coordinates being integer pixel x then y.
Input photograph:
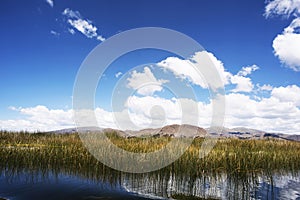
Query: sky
{"type": "Point", "coordinates": [254, 46]}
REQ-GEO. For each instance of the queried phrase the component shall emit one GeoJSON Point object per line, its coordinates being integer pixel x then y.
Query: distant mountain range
{"type": "Point", "coordinates": [189, 131]}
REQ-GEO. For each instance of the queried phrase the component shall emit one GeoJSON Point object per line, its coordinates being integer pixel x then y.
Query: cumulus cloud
{"type": "Point", "coordinates": [196, 68]}
{"type": "Point", "coordinates": [50, 2]}
{"type": "Point", "coordinates": [225, 75]}
{"type": "Point", "coordinates": [183, 69]}
{"type": "Point", "coordinates": [245, 71]}
{"type": "Point", "coordinates": [145, 83]}
{"type": "Point", "coordinates": [39, 118]}
{"type": "Point", "coordinates": [153, 111]}
{"type": "Point", "coordinates": [287, 45]}
{"type": "Point", "coordinates": [265, 87]}
{"type": "Point", "coordinates": [158, 111]}
{"type": "Point", "coordinates": [186, 69]}
{"type": "Point", "coordinates": [280, 112]}
{"type": "Point", "coordinates": [243, 83]}
{"type": "Point", "coordinates": [143, 106]}
{"type": "Point", "coordinates": [82, 25]}
{"type": "Point", "coordinates": [269, 114]}
{"type": "Point", "coordinates": [290, 94]}
{"type": "Point", "coordinates": [282, 7]}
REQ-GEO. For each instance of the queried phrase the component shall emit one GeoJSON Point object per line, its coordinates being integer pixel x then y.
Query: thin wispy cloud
{"type": "Point", "coordinates": [54, 33]}
{"type": "Point", "coordinates": [82, 25]}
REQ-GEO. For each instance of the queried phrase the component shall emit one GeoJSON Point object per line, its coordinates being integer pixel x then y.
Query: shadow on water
{"type": "Point", "coordinates": [69, 172]}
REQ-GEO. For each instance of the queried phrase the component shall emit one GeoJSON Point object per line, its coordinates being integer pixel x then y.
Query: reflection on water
{"type": "Point", "coordinates": [222, 186]}
{"type": "Point", "coordinates": [24, 183]}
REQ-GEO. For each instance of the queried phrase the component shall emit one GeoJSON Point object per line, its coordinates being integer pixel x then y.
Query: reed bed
{"type": "Point", "coordinates": [44, 150]}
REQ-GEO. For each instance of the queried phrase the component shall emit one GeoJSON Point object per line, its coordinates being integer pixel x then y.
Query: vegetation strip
{"type": "Point", "coordinates": [229, 155]}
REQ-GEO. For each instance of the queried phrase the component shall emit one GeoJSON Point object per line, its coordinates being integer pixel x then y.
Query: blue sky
{"type": "Point", "coordinates": [42, 49]}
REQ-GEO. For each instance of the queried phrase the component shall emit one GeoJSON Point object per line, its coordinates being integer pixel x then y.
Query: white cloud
{"type": "Point", "coordinates": [154, 110]}
{"type": "Point", "coordinates": [143, 105]}
{"type": "Point", "coordinates": [39, 118]}
{"type": "Point", "coordinates": [100, 38]}
{"type": "Point", "coordinates": [289, 94]}
{"type": "Point", "coordinates": [145, 83]}
{"type": "Point", "coordinates": [50, 2]}
{"type": "Point", "coordinates": [287, 45]}
{"type": "Point", "coordinates": [245, 71]}
{"type": "Point", "coordinates": [84, 26]}
{"type": "Point", "coordinates": [243, 84]}
{"type": "Point", "coordinates": [225, 75]}
{"type": "Point", "coordinates": [71, 14]}
{"type": "Point", "coordinates": [265, 87]}
{"type": "Point", "coordinates": [185, 69]}
{"type": "Point", "coordinates": [117, 75]}
{"type": "Point", "coordinates": [269, 114]}
{"type": "Point", "coordinates": [282, 7]}
{"type": "Point", "coordinates": [158, 112]}
{"type": "Point", "coordinates": [105, 119]}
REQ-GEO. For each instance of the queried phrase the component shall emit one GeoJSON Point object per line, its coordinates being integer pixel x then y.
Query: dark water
{"type": "Point", "coordinates": [26, 184]}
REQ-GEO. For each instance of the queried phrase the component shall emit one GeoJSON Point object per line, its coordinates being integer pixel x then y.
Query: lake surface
{"type": "Point", "coordinates": [27, 184]}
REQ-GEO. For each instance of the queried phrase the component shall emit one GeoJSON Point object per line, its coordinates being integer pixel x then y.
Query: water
{"type": "Point", "coordinates": [29, 184]}
{"type": "Point", "coordinates": [36, 185]}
